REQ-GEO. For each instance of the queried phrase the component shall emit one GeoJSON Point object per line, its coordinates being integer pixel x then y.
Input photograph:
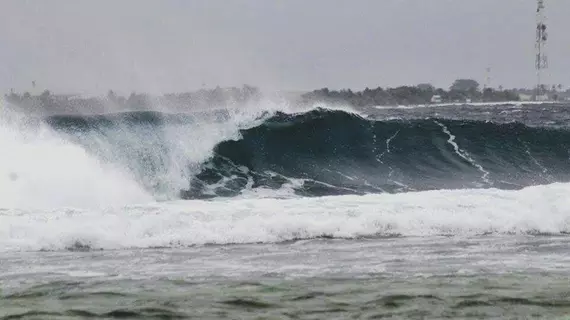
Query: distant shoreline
{"type": "Point", "coordinates": [462, 92]}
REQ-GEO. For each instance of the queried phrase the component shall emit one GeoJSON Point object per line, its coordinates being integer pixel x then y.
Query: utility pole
{"type": "Point", "coordinates": [541, 37]}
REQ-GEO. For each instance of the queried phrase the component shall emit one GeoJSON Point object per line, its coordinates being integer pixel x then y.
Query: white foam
{"type": "Point", "coordinates": [41, 168]}
{"type": "Point", "coordinates": [122, 164]}
{"type": "Point", "coordinates": [544, 209]}
{"type": "Point", "coordinates": [165, 159]}
{"type": "Point", "coordinates": [38, 169]}
{"type": "Point", "coordinates": [464, 154]}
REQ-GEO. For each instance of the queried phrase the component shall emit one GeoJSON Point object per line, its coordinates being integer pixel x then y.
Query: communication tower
{"type": "Point", "coordinates": [541, 37]}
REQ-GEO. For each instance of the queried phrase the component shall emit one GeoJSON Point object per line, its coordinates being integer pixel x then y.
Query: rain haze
{"type": "Point", "coordinates": [175, 45]}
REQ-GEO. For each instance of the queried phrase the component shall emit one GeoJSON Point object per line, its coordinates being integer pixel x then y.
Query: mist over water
{"type": "Point", "coordinates": [40, 168]}
{"type": "Point", "coordinates": [109, 160]}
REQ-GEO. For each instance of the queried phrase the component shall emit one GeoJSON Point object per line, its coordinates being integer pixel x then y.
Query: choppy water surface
{"type": "Point", "coordinates": [437, 277]}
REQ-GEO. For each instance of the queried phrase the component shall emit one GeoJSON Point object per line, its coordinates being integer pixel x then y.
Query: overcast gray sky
{"type": "Point", "coordinates": [176, 45]}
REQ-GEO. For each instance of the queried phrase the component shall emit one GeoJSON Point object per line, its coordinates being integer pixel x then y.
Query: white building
{"type": "Point", "coordinates": [436, 99]}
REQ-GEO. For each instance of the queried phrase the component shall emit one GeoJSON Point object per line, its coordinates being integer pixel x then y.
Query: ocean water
{"type": "Point", "coordinates": [269, 212]}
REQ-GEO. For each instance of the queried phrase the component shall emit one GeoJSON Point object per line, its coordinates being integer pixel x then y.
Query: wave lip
{"type": "Point", "coordinates": [533, 210]}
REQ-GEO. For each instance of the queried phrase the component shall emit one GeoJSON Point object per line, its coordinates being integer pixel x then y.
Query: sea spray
{"type": "Point", "coordinates": [41, 169]}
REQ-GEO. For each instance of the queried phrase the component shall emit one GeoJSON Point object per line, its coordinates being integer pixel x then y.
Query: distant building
{"type": "Point", "coordinates": [525, 97]}
{"type": "Point", "coordinates": [436, 98]}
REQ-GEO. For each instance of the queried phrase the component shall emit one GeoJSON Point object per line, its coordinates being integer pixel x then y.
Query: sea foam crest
{"type": "Point", "coordinates": [534, 210]}
{"type": "Point", "coordinates": [38, 168]}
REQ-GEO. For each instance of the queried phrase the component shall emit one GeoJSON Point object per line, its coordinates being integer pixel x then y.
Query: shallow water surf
{"type": "Point", "coordinates": [533, 210]}
{"type": "Point", "coordinates": [484, 277]}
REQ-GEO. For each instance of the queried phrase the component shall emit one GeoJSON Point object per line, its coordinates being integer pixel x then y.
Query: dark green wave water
{"type": "Point", "coordinates": [324, 152]}
{"type": "Point", "coordinates": [336, 153]}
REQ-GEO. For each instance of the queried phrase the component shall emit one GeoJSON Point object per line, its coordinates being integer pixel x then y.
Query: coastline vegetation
{"type": "Point", "coordinates": [462, 90]}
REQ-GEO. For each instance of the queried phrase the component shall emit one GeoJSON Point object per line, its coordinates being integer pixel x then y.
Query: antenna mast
{"type": "Point", "coordinates": [541, 37]}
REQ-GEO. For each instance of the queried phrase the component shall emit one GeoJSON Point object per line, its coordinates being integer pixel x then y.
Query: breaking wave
{"type": "Point", "coordinates": [147, 179]}
{"type": "Point", "coordinates": [315, 153]}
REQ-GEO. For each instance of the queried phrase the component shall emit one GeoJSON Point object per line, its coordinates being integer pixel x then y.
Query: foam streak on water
{"type": "Point", "coordinates": [464, 154]}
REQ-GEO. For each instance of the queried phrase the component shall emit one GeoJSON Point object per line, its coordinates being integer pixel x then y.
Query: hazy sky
{"type": "Point", "coordinates": [176, 45]}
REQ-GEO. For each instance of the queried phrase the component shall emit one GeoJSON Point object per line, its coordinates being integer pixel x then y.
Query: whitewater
{"type": "Point", "coordinates": [271, 194]}
{"type": "Point", "coordinates": [534, 210]}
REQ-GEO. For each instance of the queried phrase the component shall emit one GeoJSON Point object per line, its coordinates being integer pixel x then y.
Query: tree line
{"type": "Point", "coordinates": [461, 90]}
{"type": "Point", "coordinates": [46, 102]}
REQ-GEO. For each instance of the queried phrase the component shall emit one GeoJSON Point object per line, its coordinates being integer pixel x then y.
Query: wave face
{"type": "Point", "coordinates": [315, 153]}
{"type": "Point", "coordinates": [333, 152]}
